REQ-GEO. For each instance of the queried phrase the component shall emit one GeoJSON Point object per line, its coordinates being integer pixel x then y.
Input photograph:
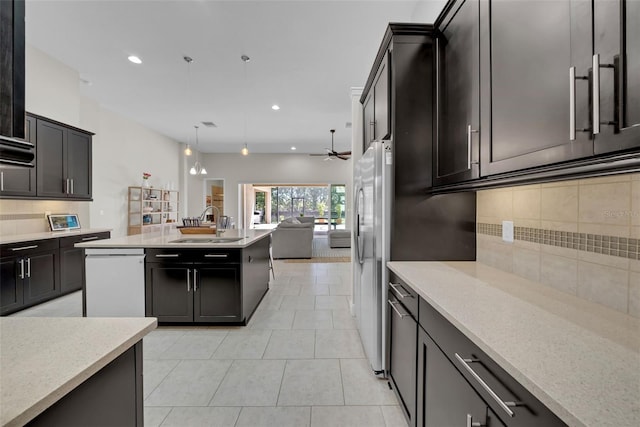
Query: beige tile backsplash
{"type": "Point", "coordinates": [607, 206]}
{"type": "Point", "coordinates": [28, 216]}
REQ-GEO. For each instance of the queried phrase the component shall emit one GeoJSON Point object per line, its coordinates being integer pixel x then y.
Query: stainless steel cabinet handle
{"type": "Point", "coordinates": [28, 267]}
{"type": "Point", "coordinates": [395, 286]}
{"type": "Point", "coordinates": [393, 306]}
{"type": "Point", "coordinates": [167, 255]}
{"type": "Point", "coordinates": [471, 423]}
{"type": "Point", "coordinates": [21, 269]}
{"type": "Point", "coordinates": [22, 248]}
{"type": "Point", "coordinates": [504, 405]}
{"type": "Point", "coordinates": [188, 280]}
{"type": "Point", "coordinates": [1, 180]}
{"type": "Point", "coordinates": [216, 255]}
{"type": "Point", "coordinates": [469, 132]}
{"type": "Point", "coordinates": [72, 192]}
{"type": "Point", "coordinates": [66, 186]}
{"type": "Point", "coordinates": [85, 239]}
{"type": "Point", "coordinates": [195, 280]}
{"type": "Point", "coordinates": [596, 93]}
{"type": "Point", "coordinates": [572, 103]}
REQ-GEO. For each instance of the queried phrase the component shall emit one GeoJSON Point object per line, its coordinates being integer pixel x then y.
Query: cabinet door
{"type": "Point", "coordinates": [526, 86]}
{"type": "Point", "coordinates": [458, 112]}
{"type": "Point", "coordinates": [50, 156]}
{"type": "Point", "coordinates": [168, 293]}
{"type": "Point", "coordinates": [217, 294]}
{"type": "Point", "coordinates": [402, 355]}
{"type": "Point", "coordinates": [381, 99]}
{"type": "Point", "coordinates": [617, 47]}
{"type": "Point", "coordinates": [11, 293]}
{"type": "Point", "coordinates": [42, 279]}
{"type": "Point", "coordinates": [20, 181]}
{"type": "Point", "coordinates": [78, 164]}
{"type": "Point", "coordinates": [445, 399]}
{"type": "Point", "coordinates": [72, 272]}
{"type": "Point", "coordinates": [369, 121]}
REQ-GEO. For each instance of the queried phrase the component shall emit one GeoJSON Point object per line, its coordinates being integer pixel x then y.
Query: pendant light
{"type": "Point", "coordinates": [197, 168]}
{"type": "Point", "coordinates": [245, 149]}
{"type": "Point", "coordinates": [188, 60]}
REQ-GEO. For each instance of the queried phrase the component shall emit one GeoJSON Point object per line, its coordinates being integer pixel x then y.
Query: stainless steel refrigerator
{"type": "Point", "coordinates": [396, 220]}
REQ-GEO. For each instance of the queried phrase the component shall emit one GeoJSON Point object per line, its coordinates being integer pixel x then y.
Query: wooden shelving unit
{"type": "Point", "coordinates": [151, 209]}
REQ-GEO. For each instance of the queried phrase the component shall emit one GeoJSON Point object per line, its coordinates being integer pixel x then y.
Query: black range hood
{"type": "Point", "coordinates": [16, 152]}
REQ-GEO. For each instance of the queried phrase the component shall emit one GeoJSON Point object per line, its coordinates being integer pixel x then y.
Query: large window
{"type": "Point", "coordinates": [326, 203]}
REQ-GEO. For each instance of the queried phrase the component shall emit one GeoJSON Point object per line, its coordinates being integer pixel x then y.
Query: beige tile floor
{"type": "Point", "coordinates": [299, 362]}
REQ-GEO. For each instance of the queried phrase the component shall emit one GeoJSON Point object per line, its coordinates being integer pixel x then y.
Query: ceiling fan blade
{"type": "Point", "coordinates": [344, 153]}
{"type": "Point", "coordinates": [341, 157]}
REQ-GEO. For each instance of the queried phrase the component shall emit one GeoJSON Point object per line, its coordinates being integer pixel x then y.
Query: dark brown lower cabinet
{"type": "Point", "coordinates": [457, 380]}
{"type": "Point", "coordinates": [30, 274]}
{"type": "Point", "coordinates": [206, 285]}
{"type": "Point", "coordinates": [445, 398]}
{"type": "Point", "coordinates": [402, 356]}
{"type": "Point", "coordinates": [111, 397]}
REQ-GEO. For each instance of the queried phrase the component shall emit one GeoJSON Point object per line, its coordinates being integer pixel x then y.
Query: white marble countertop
{"type": "Point", "coordinates": [43, 359]}
{"type": "Point", "coordinates": [166, 240]}
{"type": "Point", "coordinates": [582, 360]}
{"type": "Point", "coordinates": [49, 235]}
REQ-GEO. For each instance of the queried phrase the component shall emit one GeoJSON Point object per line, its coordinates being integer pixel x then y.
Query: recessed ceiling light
{"type": "Point", "coordinates": [293, 148]}
{"type": "Point", "coordinates": [275, 107]}
{"type": "Point", "coordinates": [135, 59]}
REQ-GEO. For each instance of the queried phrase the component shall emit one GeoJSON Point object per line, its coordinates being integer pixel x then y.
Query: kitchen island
{"type": "Point", "coordinates": [195, 279]}
{"type": "Point", "coordinates": [72, 371]}
{"type": "Point", "coordinates": [579, 359]}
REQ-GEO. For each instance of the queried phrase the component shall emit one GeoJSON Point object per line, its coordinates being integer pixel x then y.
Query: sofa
{"type": "Point", "coordinates": [293, 238]}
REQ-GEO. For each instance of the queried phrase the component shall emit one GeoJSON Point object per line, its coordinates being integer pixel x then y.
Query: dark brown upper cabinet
{"type": "Point", "coordinates": [526, 51]}
{"type": "Point", "coordinates": [615, 72]}
{"type": "Point", "coordinates": [376, 106]}
{"type": "Point", "coordinates": [458, 94]}
{"type": "Point", "coordinates": [556, 85]}
{"type": "Point", "coordinates": [12, 68]}
{"type": "Point", "coordinates": [64, 161]}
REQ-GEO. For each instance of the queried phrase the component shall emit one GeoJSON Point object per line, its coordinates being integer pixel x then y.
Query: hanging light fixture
{"type": "Point", "coordinates": [188, 60]}
{"type": "Point", "coordinates": [197, 168]}
{"type": "Point", "coordinates": [245, 149]}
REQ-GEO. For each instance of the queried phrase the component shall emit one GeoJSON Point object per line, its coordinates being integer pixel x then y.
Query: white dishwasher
{"type": "Point", "coordinates": [114, 282]}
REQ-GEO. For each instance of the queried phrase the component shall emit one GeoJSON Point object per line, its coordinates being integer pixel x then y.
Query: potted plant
{"type": "Point", "coordinates": [339, 214]}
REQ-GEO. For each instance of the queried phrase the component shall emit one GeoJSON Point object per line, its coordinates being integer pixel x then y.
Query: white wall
{"type": "Point", "coordinates": [236, 169]}
{"type": "Point", "coordinates": [427, 10]}
{"type": "Point", "coordinates": [122, 151]}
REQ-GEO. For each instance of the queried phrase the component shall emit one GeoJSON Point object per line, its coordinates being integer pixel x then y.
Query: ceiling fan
{"type": "Point", "coordinates": [331, 153]}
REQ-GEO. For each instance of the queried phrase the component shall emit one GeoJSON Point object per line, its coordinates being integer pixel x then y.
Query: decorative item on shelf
{"type": "Point", "coordinates": [147, 209]}
{"type": "Point", "coordinates": [145, 179]}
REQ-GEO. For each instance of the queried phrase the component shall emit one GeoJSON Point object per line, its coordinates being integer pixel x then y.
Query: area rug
{"type": "Point", "coordinates": [321, 249]}
{"type": "Point", "coordinates": [318, 260]}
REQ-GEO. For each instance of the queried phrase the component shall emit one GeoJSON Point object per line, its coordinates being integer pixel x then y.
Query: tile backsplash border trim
{"type": "Point", "coordinates": [601, 244]}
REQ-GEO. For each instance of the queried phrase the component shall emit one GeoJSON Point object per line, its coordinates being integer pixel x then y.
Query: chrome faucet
{"type": "Point", "coordinates": [217, 215]}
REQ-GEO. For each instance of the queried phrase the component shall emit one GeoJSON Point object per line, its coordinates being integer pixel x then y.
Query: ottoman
{"type": "Point", "coordinates": [340, 238]}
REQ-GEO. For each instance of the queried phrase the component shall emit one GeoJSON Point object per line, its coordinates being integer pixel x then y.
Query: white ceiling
{"type": "Point", "coordinates": [305, 57]}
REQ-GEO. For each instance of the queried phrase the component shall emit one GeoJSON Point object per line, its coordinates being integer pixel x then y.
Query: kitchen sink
{"type": "Point", "coordinates": [208, 240]}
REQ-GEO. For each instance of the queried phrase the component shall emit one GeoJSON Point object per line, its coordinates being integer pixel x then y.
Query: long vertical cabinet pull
{"type": "Point", "coordinates": [72, 192]}
{"type": "Point", "coordinates": [572, 103]}
{"type": "Point", "coordinates": [469, 143]}
{"type": "Point", "coordinates": [195, 280]}
{"type": "Point", "coordinates": [28, 267]}
{"type": "Point", "coordinates": [188, 280]}
{"type": "Point", "coordinates": [1, 180]}
{"type": "Point", "coordinates": [21, 269]}
{"type": "Point", "coordinates": [596, 93]}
